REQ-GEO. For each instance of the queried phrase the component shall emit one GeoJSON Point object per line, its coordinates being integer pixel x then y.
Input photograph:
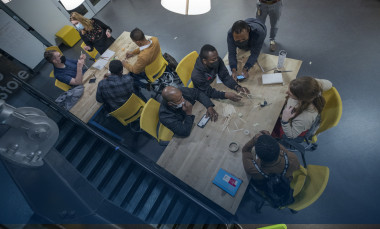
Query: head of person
{"type": "Point", "coordinates": [240, 32]}
{"type": "Point", "coordinates": [173, 97]}
{"type": "Point", "coordinates": [209, 56]}
{"type": "Point", "coordinates": [54, 57]}
{"type": "Point", "coordinates": [138, 37]}
{"type": "Point", "coordinates": [267, 148]}
{"type": "Point", "coordinates": [307, 91]}
{"type": "Point", "coordinates": [80, 22]}
{"type": "Point", "coordinates": [116, 67]}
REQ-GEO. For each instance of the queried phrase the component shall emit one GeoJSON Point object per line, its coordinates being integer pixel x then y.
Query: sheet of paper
{"type": "Point", "coordinates": [217, 79]}
{"type": "Point", "coordinates": [272, 78]}
{"type": "Point", "coordinates": [103, 59]}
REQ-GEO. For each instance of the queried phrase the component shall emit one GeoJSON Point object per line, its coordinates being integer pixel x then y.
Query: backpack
{"type": "Point", "coordinates": [172, 63]}
{"type": "Point", "coordinates": [278, 192]}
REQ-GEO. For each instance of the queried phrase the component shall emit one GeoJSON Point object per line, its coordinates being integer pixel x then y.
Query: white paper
{"type": "Point", "coordinates": [272, 78]}
{"type": "Point", "coordinates": [103, 59]}
{"type": "Point", "coordinates": [217, 79]}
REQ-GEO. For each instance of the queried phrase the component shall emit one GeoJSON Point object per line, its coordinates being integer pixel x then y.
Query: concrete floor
{"type": "Point", "coordinates": [338, 41]}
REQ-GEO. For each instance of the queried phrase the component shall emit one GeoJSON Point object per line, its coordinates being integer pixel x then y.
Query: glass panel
{"type": "Point", "coordinates": [94, 2]}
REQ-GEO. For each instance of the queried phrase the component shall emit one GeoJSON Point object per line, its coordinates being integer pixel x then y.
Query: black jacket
{"type": "Point", "coordinates": [203, 76]}
{"type": "Point", "coordinates": [176, 119]}
{"type": "Point", "coordinates": [256, 39]}
{"type": "Point", "coordinates": [103, 42]}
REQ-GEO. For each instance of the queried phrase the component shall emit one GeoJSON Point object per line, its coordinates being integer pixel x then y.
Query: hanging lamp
{"type": "Point", "coordinates": [71, 4]}
{"type": "Point", "coordinates": [187, 7]}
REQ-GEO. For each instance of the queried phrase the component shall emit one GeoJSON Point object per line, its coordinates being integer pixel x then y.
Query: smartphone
{"type": "Point", "coordinates": [92, 80]}
{"type": "Point", "coordinates": [202, 123]}
{"type": "Point", "coordinates": [240, 78]}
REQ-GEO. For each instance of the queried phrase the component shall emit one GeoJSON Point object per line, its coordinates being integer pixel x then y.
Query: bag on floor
{"type": "Point", "coordinates": [69, 98]}
{"type": "Point", "coordinates": [172, 63]}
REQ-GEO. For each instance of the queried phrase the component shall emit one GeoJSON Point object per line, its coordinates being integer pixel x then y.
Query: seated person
{"type": "Point", "coordinates": [176, 109]}
{"type": "Point", "coordinates": [147, 52]}
{"type": "Point", "coordinates": [116, 88]}
{"type": "Point", "coordinates": [67, 71]}
{"type": "Point", "coordinates": [303, 104]}
{"type": "Point", "coordinates": [207, 66]}
{"type": "Point", "coordinates": [269, 156]}
{"type": "Point", "coordinates": [248, 35]}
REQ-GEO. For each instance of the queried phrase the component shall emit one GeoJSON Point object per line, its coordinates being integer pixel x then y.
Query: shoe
{"type": "Point", "coordinates": [273, 46]}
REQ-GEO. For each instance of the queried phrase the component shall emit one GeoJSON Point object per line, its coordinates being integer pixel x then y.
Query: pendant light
{"type": "Point", "coordinates": [187, 7]}
{"type": "Point", "coordinates": [71, 4]}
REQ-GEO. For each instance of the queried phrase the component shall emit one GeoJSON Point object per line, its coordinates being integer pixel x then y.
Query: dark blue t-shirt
{"type": "Point", "coordinates": [68, 72]}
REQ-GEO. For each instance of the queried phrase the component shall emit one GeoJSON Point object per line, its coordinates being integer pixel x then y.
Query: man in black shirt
{"type": "Point", "coordinates": [207, 67]}
{"type": "Point", "coordinates": [176, 109]}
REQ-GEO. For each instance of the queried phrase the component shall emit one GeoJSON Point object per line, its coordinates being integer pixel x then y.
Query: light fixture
{"type": "Point", "coordinates": [71, 4]}
{"type": "Point", "coordinates": [187, 7]}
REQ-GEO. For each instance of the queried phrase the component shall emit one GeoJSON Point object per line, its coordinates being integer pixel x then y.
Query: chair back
{"type": "Point", "coordinates": [185, 68]}
{"type": "Point", "coordinates": [149, 122]}
{"type": "Point", "coordinates": [92, 54]}
{"type": "Point", "coordinates": [315, 184]}
{"type": "Point", "coordinates": [130, 111]}
{"type": "Point", "coordinates": [277, 226]}
{"type": "Point", "coordinates": [155, 70]}
{"type": "Point", "coordinates": [62, 86]}
{"type": "Point", "coordinates": [332, 112]}
{"type": "Point", "coordinates": [299, 177]}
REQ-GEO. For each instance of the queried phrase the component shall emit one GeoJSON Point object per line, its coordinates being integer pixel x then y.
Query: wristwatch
{"type": "Point", "coordinates": [283, 123]}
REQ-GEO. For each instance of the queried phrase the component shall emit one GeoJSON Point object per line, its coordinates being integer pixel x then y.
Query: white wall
{"type": "Point", "coordinates": [42, 15]}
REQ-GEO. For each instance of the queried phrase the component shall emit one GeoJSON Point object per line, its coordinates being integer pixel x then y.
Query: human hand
{"type": "Point", "coordinates": [129, 55]}
{"type": "Point", "coordinates": [245, 73]}
{"type": "Point", "coordinates": [232, 96]}
{"type": "Point", "coordinates": [243, 90]}
{"type": "Point", "coordinates": [212, 114]}
{"type": "Point", "coordinates": [80, 63]}
{"type": "Point", "coordinates": [82, 56]}
{"type": "Point", "coordinates": [108, 33]}
{"type": "Point", "coordinates": [107, 74]}
{"type": "Point", "coordinates": [86, 47]}
{"type": "Point", "coordinates": [234, 74]}
{"type": "Point", "coordinates": [187, 107]}
{"type": "Point", "coordinates": [265, 132]}
{"type": "Point", "coordinates": [287, 113]}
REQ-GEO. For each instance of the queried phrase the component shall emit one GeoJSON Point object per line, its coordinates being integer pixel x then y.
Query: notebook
{"type": "Point", "coordinates": [272, 78]}
{"type": "Point", "coordinates": [104, 59]}
{"type": "Point", "coordinates": [227, 182]}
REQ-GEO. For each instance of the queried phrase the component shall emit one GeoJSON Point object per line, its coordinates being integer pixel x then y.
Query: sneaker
{"type": "Point", "coordinates": [273, 46]}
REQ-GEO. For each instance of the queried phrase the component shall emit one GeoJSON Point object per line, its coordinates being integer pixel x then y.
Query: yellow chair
{"type": "Point", "coordinates": [59, 84]}
{"type": "Point", "coordinates": [299, 177]}
{"type": "Point", "coordinates": [69, 35]}
{"type": "Point", "coordinates": [149, 122]}
{"type": "Point", "coordinates": [315, 184]}
{"type": "Point", "coordinates": [185, 68]}
{"type": "Point", "coordinates": [277, 226]}
{"type": "Point", "coordinates": [129, 111]}
{"type": "Point", "coordinates": [92, 54]}
{"type": "Point", "coordinates": [155, 70]}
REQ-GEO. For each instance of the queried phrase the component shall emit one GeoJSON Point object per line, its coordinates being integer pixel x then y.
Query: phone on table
{"type": "Point", "coordinates": [202, 123]}
{"type": "Point", "coordinates": [240, 78]}
{"type": "Point", "coordinates": [92, 80]}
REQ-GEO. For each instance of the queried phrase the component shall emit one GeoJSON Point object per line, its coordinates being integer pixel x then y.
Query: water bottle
{"type": "Point", "coordinates": [281, 59]}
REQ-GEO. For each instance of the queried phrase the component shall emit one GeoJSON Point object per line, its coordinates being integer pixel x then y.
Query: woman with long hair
{"type": "Point", "coordinates": [93, 32]}
{"type": "Point", "coordinates": [304, 102]}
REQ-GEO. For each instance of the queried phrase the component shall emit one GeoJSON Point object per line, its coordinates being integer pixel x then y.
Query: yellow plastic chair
{"type": "Point", "coordinates": [155, 70]}
{"type": "Point", "coordinates": [185, 68]}
{"type": "Point", "coordinates": [129, 111]}
{"type": "Point", "coordinates": [299, 177]}
{"type": "Point", "coordinates": [315, 184]}
{"type": "Point", "coordinates": [149, 122]}
{"type": "Point", "coordinates": [277, 226]}
{"type": "Point", "coordinates": [69, 35]}
{"type": "Point", "coordinates": [92, 54]}
{"type": "Point", "coordinates": [59, 84]}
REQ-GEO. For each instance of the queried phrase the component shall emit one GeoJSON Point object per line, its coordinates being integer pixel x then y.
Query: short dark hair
{"type": "Point", "coordinates": [137, 35]}
{"type": "Point", "coordinates": [239, 26]}
{"type": "Point", "coordinates": [205, 50]}
{"type": "Point", "coordinates": [116, 67]}
{"type": "Point", "coordinates": [49, 55]}
{"type": "Point", "coordinates": [267, 148]}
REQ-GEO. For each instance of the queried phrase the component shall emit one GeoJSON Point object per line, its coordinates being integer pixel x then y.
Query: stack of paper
{"type": "Point", "coordinates": [272, 78]}
{"type": "Point", "coordinates": [103, 59]}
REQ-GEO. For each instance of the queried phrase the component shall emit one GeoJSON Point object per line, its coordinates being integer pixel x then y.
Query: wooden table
{"type": "Point", "coordinates": [197, 158]}
{"type": "Point", "coordinates": [86, 107]}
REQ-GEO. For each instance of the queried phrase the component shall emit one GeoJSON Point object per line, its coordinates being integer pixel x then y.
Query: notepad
{"type": "Point", "coordinates": [272, 78]}
{"type": "Point", "coordinates": [227, 182]}
{"type": "Point", "coordinates": [103, 59]}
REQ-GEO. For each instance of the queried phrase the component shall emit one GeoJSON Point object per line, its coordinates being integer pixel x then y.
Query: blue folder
{"type": "Point", "coordinates": [227, 182]}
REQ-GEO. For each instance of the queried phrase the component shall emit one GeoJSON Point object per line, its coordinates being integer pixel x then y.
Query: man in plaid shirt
{"type": "Point", "coordinates": [116, 88]}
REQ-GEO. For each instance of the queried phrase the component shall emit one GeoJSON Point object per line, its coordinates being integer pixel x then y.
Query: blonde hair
{"type": "Point", "coordinates": [87, 23]}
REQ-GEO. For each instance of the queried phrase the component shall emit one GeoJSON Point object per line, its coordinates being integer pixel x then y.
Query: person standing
{"type": "Point", "coordinates": [272, 8]}
{"type": "Point", "coordinates": [93, 32]}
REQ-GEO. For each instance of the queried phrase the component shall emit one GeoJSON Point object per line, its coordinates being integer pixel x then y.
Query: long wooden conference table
{"type": "Point", "coordinates": [197, 159]}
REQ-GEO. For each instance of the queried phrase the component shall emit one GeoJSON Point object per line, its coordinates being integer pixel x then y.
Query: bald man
{"type": "Point", "coordinates": [176, 109]}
